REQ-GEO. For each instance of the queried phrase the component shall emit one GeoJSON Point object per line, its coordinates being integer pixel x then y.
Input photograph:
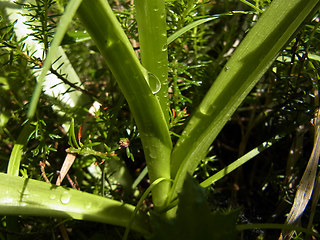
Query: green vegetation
{"type": "Point", "coordinates": [139, 118]}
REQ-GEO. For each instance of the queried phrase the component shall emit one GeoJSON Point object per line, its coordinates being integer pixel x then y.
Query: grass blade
{"type": "Point", "coordinates": [196, 23]}
{"type": "Point", "coordinates": [252, 5]}
{"type": "Point", "coordinates": [238, 163]}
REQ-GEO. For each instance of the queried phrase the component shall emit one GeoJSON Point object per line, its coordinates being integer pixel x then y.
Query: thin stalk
{"type": "Point", "coordinates": [239, 162]}
{"type": "Point", "coordinates": [152, 27]}
{"type": "Point", "coordinates": [120, 57]}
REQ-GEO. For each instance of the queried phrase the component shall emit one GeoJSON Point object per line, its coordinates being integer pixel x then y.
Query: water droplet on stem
{"type": "Point", "coordinates": [52, 196]}
{"type": "Point", "coordinates": [206, 110]}
{"type": "Point", "coordinates": [154, 83]}
{"type": "Point", "coordinates": [65, 197]}
{"type": "Point", "coordinates": [164, 47]}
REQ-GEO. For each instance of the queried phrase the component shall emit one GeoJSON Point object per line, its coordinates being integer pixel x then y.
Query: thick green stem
{"type": "Point", "coordinates": [249, 62]}
{"type": "Point", "coordinates": [151, 19]}
{"type": "Point", "coordinates": [117, 51]}
{"type": "Point", "coordinates": [24, 196]}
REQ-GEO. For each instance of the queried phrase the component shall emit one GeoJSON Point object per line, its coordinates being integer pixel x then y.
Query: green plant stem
{"type": "Point", "coordinates": [152, 27]}
{"type": "Point", "coordinates": [13, 169]}
{"type": "Point", "coordinates": [249, 62]}
{"type": "Point", "coordinates": [117, 51]}
{"type": "Point", "coordinates": [24, 196]}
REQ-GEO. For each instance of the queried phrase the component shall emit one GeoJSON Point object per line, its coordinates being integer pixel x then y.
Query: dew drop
{"type": "Point", "coordinates": [154, 83]}
{"type": "Point", "coordinates": [164, 47]}
{"type": "Point", "coordinates": [206, 110]}
{"type": "Point", "coordinates": [203, 110]}
{"type": "Point", "coordinates": [88, 205]}
{"type": "Point", "coordinates": [152, 156]}
{"type": "Point", "coordinates": [65, 197]}
{"type": "Point", "coordinates": [52, 196]}
{"type": "Point", "coordinates": [152, 80]}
